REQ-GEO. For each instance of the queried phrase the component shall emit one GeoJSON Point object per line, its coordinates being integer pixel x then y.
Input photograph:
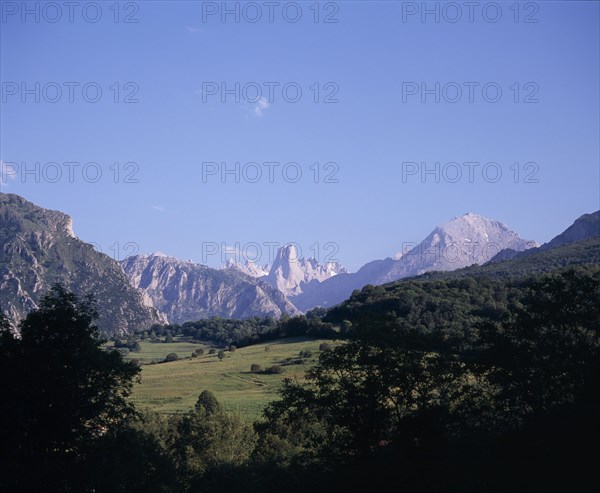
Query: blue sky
{"type": "Point", "coordinates": [368, 203]}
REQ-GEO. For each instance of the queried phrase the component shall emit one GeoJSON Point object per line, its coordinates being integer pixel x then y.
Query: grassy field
{"type": "Point", "coordinates": [157, 351]}
{"type": "Point", "coordinates": [174, 387]}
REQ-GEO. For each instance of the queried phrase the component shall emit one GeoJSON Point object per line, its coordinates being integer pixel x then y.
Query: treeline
{"type": "Point", "coordinates": [532, 262]}
{"type": "Point", "coordinates": [442, 385]}
{"type": "Point", "coordinates": [471, 384]}
{"type": "Point", "coordinates": [226, 332]}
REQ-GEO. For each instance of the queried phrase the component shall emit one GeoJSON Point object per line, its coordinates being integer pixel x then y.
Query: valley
{"type": "Point", "coordinates": [174, 387]}
{"type": "Point", "coordinates": [202, 373]}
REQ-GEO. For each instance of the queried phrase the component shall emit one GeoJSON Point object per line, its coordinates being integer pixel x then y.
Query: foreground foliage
{"type": "Point", "coordinates": [484, 381]}
{"type": "Point", "coordinates": [444, 384]}
{"type": "Point", "coordinates": [61, 395]}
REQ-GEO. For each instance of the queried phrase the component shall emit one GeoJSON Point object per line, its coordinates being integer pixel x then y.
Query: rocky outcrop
{"type": "Point", "coordinates": [38, 248]}
{"type": "Point", "coordinates": [188, 291]}
{"type": "Point", "coordinates": [291, 274]}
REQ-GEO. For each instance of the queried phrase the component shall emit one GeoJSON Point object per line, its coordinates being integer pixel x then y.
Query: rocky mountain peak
{"type": "Point", "coordinates": [157, 254]}
{"type": "Point", "coordinates": [184, 290]}
{"type": "Point", "coordinates": [291, 274]}
{"type": "Point", "coordinates": [463, 241]}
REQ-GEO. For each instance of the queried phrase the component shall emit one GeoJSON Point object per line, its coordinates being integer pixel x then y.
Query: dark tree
{"type": "Point", "coordinates": [208, 402]}
{"type": "Point", "coordinates": [60, 393]}
{"type": "Point", "coordinates": [208, 439]}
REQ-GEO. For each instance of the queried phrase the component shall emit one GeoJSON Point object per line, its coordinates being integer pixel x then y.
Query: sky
{"type": "Point", "coordinates": [357, 126]}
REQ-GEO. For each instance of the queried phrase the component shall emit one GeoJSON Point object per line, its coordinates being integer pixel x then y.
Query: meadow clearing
{"type": "Point", "coordinates": [173, 387]}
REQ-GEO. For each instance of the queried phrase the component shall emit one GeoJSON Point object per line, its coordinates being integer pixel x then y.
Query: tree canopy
{"type": "Point", "coordinates": [61, 392]}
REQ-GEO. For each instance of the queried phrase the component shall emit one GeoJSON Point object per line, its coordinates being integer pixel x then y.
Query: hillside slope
{"type": "Point", "coordinates": [38, 248]}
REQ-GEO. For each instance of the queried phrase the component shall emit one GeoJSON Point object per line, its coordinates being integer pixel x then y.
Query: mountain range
{"type": "Point", "coordinates": [463, 241]}
{"type": "Point", "coordinates": [184, 290]}
{"type": "Point", "coordinates": [38, 248]}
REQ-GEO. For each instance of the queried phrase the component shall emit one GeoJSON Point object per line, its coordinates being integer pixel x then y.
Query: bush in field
{"type": "Point", "coordinates": [255, 368]}
{"type": "Point", "coordinates": [212, 351]}
{"type": "Point", "coordinates": [275, 369]}
{"type": "Point", "coordinates": [221, 355]}
{"type": "Point", "coordinates": [197, 352]}
{"type": "Point", "coordinates": [171, 357]}
{"type": "Point", "coordinates": [324, 346]}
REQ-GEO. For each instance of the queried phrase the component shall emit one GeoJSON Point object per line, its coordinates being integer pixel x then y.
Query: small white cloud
{"type": "Point", "coordinates": [159, 208]}
{"type": "Point", "coordinates": [261, 105]}
{"type": "Point", "coordinates": [7, 172]}
{"type": "Point", "coordinates": [192, 29]}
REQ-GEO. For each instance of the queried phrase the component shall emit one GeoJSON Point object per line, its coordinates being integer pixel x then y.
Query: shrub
{"type": "Point", "coordinates": [275, 369]}
{"type": "Point", "coordinates": [171, 357]}
{"type": "Point", "coordinates": [232, 348]}
{"type": "Point", "coordinates": [324, 346]}
{"type": "Point", "coordinates": [305, 354]}
{"type": "Point", "coordinates": [221, 355]}
{"type": "Point", "coordinates": [255, 368]}
{"type": "Point", "coordinates": [212, 351]}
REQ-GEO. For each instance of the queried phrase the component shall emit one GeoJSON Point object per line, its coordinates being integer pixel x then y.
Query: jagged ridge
{"type": "Point", "coordinates": [188, 291]}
